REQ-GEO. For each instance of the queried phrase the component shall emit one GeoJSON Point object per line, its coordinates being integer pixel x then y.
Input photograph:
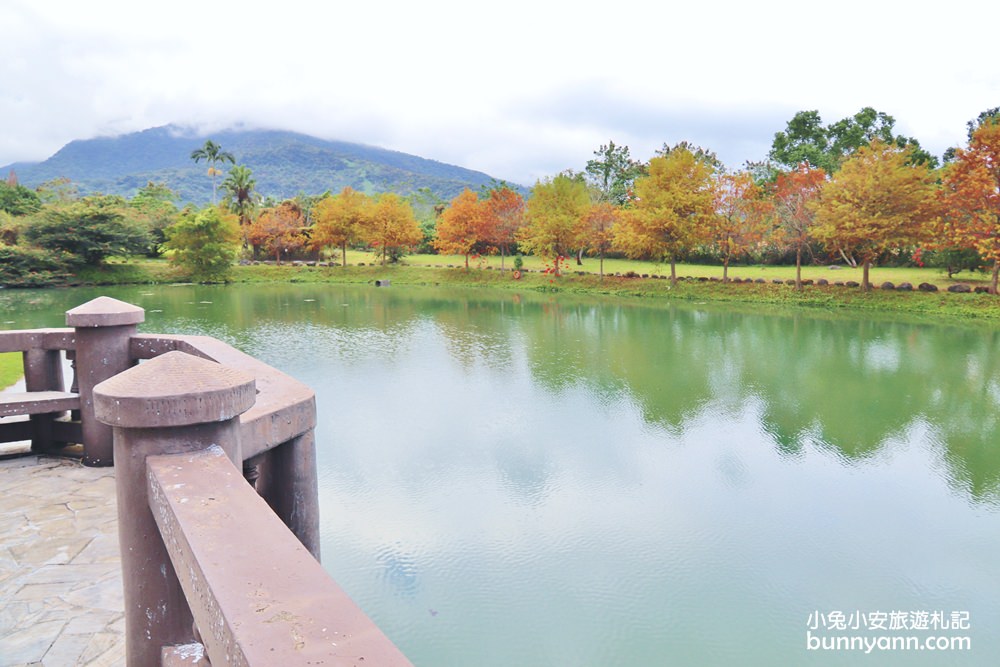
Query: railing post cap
{"type": "Point", "coordinates": [104, 312]}
{"type": "Point", "coordinates": [174, 389]}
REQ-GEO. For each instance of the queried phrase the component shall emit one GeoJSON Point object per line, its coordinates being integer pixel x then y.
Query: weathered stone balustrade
{"type": "Point", "coordinates": [46, 400]}
{"type": "Point", "coordinates": [215, 473]}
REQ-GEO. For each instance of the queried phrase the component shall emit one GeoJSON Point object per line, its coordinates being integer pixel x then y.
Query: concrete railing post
{"type": "Point", "coordinates": [172, 404]}
{"type": "Point", "coordinates": [103, 329]}
{"type": "Point", "coordinates": [42, 372]}
{"type": "Point", "coordinates": [295, 495]}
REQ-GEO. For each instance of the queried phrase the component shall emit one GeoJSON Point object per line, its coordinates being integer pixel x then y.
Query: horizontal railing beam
{"type": "Point", "coordinates": [21, 340]}
{"type": "Point", "coordinates": [37, 402]}
{"type": "Point", "coordinates": [257, 595]}
{"type": "Point", "coordinates": [16, 431]}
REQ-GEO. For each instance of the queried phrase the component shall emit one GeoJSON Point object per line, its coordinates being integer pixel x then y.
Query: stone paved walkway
{"type": "Point", "coordinates": [60, 583]}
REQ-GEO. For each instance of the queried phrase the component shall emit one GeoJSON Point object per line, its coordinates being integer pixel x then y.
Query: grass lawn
{"type": "Point", "coordinates": [877, 275]}
{"type": "Point", "coordinates": [140, 270]}
{"type": "Point", "coordinates": [450, 270]}
{"type": "Point", "coordinates": [11, 368]}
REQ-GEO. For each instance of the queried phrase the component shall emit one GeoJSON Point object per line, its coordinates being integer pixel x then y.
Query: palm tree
{"type": "Point", "coordinates": [212, 153]}
{"type": "Point", "coordinates": [240, 188]}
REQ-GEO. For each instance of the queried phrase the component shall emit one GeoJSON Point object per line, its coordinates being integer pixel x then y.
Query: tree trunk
{"type": "Point", "coordinates": [864, 277]}
{"type": "Point", "coordinates": [343, 252]}
{"type": "Point", "coordinates": [798, 269]}
{"type": "Point", "coordinates": [466, 261]}
{"type": "Point", "coordinates": [602, 267]}
{"type": "Point", "coordinates": [579, 257]}
{"type": "Point", "coordinates": [851, 262]}
{"type": "Point", "coordinates": [996, 272]}
{"type": "Point", "coordinates": [502, 253]}
{"type": "Point", "coordinates": [673, 272]}
{"type": "Point", "coordinates": [725, 270]}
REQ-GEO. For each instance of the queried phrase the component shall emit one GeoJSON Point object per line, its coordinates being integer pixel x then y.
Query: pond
{"type": "Point", "coordinates": [530, 479]}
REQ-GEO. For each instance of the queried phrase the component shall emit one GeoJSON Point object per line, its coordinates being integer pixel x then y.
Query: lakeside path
{"type": "Point", "coordinates": [60, 579]}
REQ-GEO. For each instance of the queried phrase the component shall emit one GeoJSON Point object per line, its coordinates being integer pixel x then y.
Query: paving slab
{"type": "Point", "coordinates": [61, 598]}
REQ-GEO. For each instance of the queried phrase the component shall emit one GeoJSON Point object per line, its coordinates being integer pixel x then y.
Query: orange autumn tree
{"type": "Point", "coordinates": [793, 193]}
{"type": "Point", "coordinates": [971, 197]}
{"type": "Point", "coordinates": [502, 217]}
{"type": "Point", "coordinates": [674, 202]}
{"type": "Point", "coordinates": [742, 218]}
{"type": "Point", "coordinates": [459, 228]}
{"type": "Point", "coordinates": [878, 202]}
{"type": "Point", "coordinates": [339, 220]}
{"type": "Point", "coordinates": [278, 230]}
{"type": "Point", "coordinates": [598, 230]}
{"type": "Point", "coordinates": [390, 228]}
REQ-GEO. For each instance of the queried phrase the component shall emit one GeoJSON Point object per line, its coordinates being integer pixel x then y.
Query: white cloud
{"type": "Point", "coordinates": [520, 90]}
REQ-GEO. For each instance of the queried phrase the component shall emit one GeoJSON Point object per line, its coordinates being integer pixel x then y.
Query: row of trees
{"type": "Point", "coordinates": [50, 233]}
{"type": "Point", "coordinates": [887, 199]}
{"type": "Point", "coordinates": [884, 200]}
{"type": "Point", "coordinates": [852, 190]}
{"type": "Point", "coordinates": [616, 205]}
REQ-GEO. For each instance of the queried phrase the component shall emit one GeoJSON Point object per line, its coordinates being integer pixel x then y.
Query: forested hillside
{"type": "Point", "coordinates": [284, 164]}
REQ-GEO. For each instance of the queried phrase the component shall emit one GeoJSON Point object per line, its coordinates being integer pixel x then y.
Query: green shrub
{"type": "Point", "coordinates": [31, 267]}
{"type": "Point", "coordinates": [204, 243]}
{"type": "Point", "coordinates": [89, 231]}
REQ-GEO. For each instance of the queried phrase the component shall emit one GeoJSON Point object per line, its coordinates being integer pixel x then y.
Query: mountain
{"type": "Point", "coordinates": [283, 163]}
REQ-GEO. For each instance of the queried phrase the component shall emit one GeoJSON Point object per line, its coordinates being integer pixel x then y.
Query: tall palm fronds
{"type": "Point", "coordinates": [212, 153]}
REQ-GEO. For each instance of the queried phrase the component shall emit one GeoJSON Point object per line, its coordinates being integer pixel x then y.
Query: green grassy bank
{"type": "Point", "coordinates": [450, 270]}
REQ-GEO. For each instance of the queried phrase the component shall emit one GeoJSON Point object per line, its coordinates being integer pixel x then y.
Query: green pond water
{"type": "Point", "coordinates": [527, 479]}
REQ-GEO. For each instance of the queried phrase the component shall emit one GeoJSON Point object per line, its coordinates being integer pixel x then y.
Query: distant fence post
{"type": "Point", "coordinates": [103, 329]}
{"type": "Point", "coordinates": [172, 404]}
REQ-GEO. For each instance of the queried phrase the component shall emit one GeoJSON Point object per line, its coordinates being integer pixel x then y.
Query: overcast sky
{"type": "Point", "coordinates": [521, 89]}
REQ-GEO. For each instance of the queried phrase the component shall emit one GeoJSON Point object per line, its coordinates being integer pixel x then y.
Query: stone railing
{"type": "Point", "coordinates": [45, 400]}
{"type": "Point", "coordinates": [215, 470]}
{"type": "Point", "coordinates": [99, 345]}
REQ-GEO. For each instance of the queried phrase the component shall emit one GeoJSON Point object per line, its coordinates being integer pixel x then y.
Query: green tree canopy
{"type": "Point", "coordinates": [18, 200]}
{"type": "Point", "coordinates": [204, 243]}
{"type": "Point", "coordinates": [988, 116]}
{"type": "Point", "coordinates": [58, 191]}
{"type": "Point", "coordinates": [90, 230]}
{"type": "Point", "coordinates": [153, 206]}
{"type": "Point", "coordinates": [24, 266]}
{"type": "Point", "coordinates": [708, 157]}
{"type": "Point", "coordinates": [612, 172]}
{"type": "Point", "coordinates": [806, 139]}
